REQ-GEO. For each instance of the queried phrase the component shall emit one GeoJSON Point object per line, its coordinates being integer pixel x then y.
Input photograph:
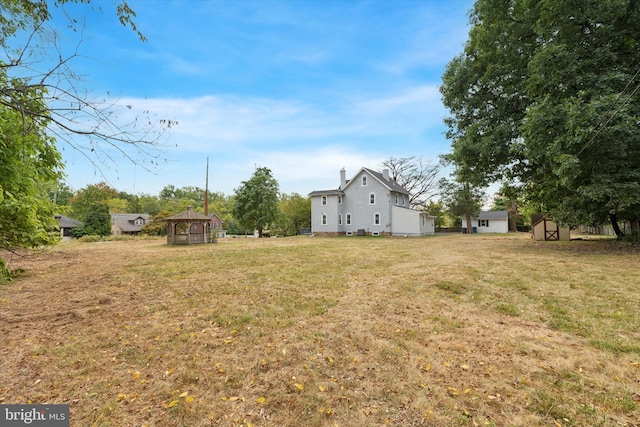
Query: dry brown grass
{"type": "Point", "coordinates": [438, 331]}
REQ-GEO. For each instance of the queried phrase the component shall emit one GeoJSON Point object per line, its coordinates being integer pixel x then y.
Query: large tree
{"type": "Point", "coordinates": [43, 105]}
{"type": "Point", "coordinates": [296, 213]}
{"type": "Point", "coordinates": [545, 97]}
{"type": "Point", "coordinates": [256, 201]}
{"type": "Point", "coordinates": [29, 165]}
{"type": "Point", "coordinates": [461, 200]}
{"type": "Point", "coordinates": [419, 178]}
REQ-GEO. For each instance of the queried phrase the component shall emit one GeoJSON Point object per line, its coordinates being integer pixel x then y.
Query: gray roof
{"type": "Point", "coordinates": [391, 184]}
{"type": "Point", "coordinates": [127, 221]}
{"type": "Point", "coordinates": [189, 214]}
{"type": "Point", "coordinates": [66, 222]}
{"type": "Point", "coordinates": [493, 215]}
{"type": "Point", "coordinates": [326, 193]}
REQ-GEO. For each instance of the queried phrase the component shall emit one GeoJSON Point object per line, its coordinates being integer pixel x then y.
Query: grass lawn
{"type": "Point", "coordinates": [437, 331]}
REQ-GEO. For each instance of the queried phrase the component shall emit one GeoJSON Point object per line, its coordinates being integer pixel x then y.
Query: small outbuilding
{"type": "Point", "coordinates": [543, 228]}
{"type": "Point", "coordinates": [488, 222]}
{"type": "Point", "coordinates": [66, 225]}
{"type": "Point", "coordinates": [188, 228]}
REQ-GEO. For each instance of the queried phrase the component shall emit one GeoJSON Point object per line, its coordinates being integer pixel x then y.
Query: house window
{"type": "Point", "coordinates": [396, 199]}
{"type": "Point", "coordinates": [339, 219]}
{"type": "Point", "coordinates": [364, 181]}
{"type": "Point", "coordinates": [483, 223]}
{"type": "Point", "coordinates": [372, 199]}
{"type": "Point", "coordinates": [139, 221]}
{"type": "Point", "coordinates": [376, 218]}
{"type": "Point", "coordinates": [324, 200]}
{"type": "Point", "coordinates": [339, 200]}
{"type": "Point", "coordinates": [324, 219]}
{"type": "Point", "coordinates": [348, 219]}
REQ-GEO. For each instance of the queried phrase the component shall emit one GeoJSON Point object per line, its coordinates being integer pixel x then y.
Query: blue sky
{"type": "Point", "coordinates": [303, 87]}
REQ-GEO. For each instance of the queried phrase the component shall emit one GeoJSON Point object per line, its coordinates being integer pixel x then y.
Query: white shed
{"type": "Point", "coordinates": [489, 222]}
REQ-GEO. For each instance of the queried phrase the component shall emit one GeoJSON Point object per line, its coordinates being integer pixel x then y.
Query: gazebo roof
{"type": "Point", "coordinates": [188, 215]}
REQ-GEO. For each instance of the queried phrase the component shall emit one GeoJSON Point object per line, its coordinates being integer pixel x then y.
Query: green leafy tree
{"type": "Point", "coordinates": [85, 199]}
{"type": "Point", "coordinates": [438, 210]}
{"type": "Point", "coordinates": [97, 222]}
{"type": "Point", "coordinates": [29, 164]}
{"type": "Point", "coordinates": [295, 214]}
{"type": "Point", "coordinates": [157, 226]}
{"type": "Point", "coordinates": [256, 201]}
{"type": "Point", "coordinates": [461, 200]}
{"type": "Point", "coordinates": [146, 204]}
{"type": "Point", "coordinates": [546, 96]}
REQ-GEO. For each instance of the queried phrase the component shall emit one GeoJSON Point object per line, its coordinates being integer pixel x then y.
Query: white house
{"type": "Point", "coordinates": [371, 203]}
{"type": "Point", "coordinates": [489, 222]}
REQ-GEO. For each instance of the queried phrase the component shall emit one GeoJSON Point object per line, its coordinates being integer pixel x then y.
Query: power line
{"type": "Point", "coordinates": [598, 127]}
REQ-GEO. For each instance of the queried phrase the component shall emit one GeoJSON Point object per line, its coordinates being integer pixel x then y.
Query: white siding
{"type": "Point", "coordinates": [411, 222]}
{"type": "Point", "coordinates": [495, 225]}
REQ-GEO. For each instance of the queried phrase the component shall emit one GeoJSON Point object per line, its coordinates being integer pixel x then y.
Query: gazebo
{"type": "Point", "coordinates": [188, 228]}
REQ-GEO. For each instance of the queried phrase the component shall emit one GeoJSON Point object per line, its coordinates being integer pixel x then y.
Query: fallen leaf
{"type": "Point", "coordinates": [299, 386]}
{"type": "Point", "coordinates": [184, 394]}
{"type": "Point", "coordinates": [136, 375]}
{"type": "Point", "coordinates": [189, 399]}
{"type": "Point", "coordinates": [171, 404]}
{"type": "Point", "coordinates": [260, 400]}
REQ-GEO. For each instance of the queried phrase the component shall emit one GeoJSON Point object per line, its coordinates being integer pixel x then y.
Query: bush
{"type": "Point", "coordinates": [633, 237]}
{"type": "Point", "coordinates": [91, 238]}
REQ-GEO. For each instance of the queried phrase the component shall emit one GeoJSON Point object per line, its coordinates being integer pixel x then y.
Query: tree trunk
{"type": "Point", "coordinates": [513, 216]}
{"type": "Point", "coordinates": [614, 223]}
{"type": "Point", "coordinates": [469, 225]}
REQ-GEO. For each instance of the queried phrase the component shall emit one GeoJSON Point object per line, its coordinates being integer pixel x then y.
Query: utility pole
{"type": "Point", "coordinates": [206, 191]}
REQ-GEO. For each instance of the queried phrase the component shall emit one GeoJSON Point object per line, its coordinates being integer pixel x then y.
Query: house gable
{"type": "Point", "coordinates": [123, 223]}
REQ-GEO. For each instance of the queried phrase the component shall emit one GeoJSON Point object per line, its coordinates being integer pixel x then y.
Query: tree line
{"type": "Point", "coordinates": [284, 214]}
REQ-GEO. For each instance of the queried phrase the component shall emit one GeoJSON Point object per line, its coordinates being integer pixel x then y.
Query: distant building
{"type": "Point", "coordinates": [216, 226]}
{"type": "Point", "coordinates": [128, 223]}
{"type": "Point", "coordinates": [66, 225]}
{"type": "Point", "coordinates": [488, 222]}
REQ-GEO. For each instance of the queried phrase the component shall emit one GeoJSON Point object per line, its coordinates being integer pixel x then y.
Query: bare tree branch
{"type": "Point", "coordinates": [37, 80]}
{"type": "Point", "coordinates": [419, 178]}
